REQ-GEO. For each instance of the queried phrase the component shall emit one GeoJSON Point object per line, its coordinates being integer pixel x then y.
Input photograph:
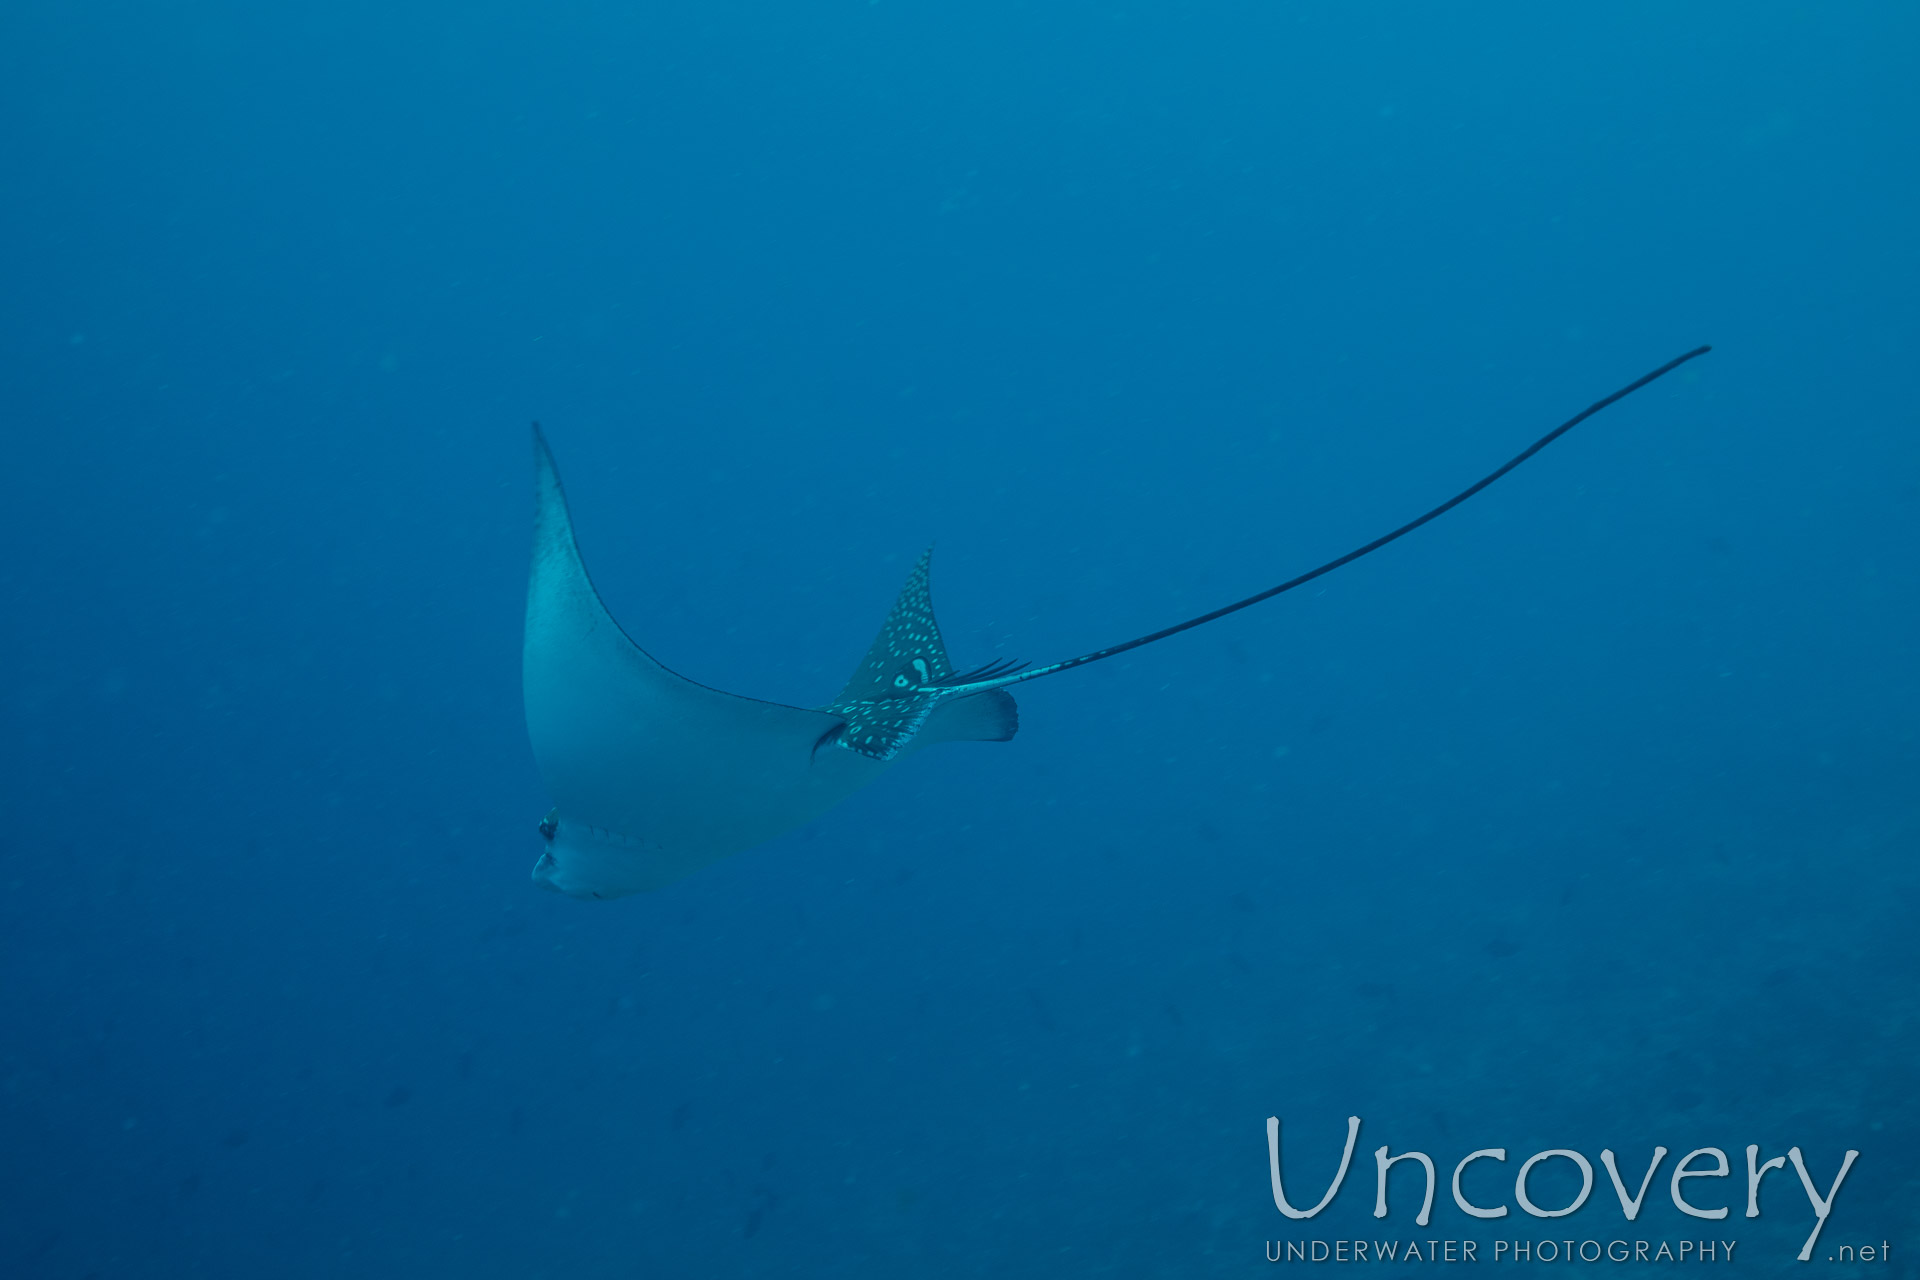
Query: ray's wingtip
{"type": "Point", "coordinates": [543, 453]}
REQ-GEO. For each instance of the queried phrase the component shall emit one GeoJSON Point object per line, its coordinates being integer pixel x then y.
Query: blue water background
{"type": "Point", "coordinates": [1584, 817]}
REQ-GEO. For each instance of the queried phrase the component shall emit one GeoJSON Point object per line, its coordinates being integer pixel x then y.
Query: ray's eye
{"type": "Point", "coordinates": [920, 666]}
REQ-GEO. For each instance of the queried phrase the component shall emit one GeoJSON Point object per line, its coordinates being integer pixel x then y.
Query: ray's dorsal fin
{"type": "Point", "coordinates": [888, 703]}
{"type": "Point", "coordinates": [986, 678]}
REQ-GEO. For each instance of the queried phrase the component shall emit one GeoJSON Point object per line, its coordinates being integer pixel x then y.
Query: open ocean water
{"type": "Point", "coordinates": [1585, 817]}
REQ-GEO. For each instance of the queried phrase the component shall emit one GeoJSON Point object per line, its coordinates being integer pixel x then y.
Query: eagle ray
{"type": "Point", "coordinates": [653, 775]}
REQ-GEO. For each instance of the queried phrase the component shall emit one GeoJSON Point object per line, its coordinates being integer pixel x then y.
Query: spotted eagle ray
{"type": "Point", "coordinates": [653, 776]}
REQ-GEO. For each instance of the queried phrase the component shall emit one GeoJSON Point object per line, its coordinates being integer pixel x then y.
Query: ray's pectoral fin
{"type": "Point", "coordinates": [882, 728]}
{"type": "Point", "coordinates": [888, 705]}
{"type": "Point", "coordinates": [652, 775]}
{"type": "Point", "coordinates": [908, 652]}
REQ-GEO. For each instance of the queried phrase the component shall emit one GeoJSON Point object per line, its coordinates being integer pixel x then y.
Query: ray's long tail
{"type": "Point", "coordinates": [999, 674]}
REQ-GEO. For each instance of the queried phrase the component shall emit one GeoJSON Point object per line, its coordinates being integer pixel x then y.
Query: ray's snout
{"type": "Point", "coordinates": [595, 864]}
{"type": "Point", "coordinates": [551, 872]}
{"type": "Point", "coordinates": [548, 866]}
